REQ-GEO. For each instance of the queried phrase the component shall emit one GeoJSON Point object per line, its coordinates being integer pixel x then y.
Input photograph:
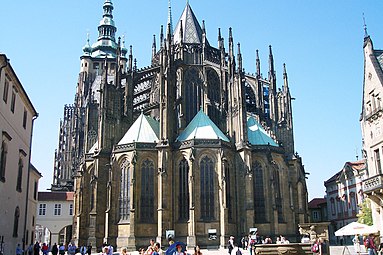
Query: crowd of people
{"type": "Point", "coordinates": [248, 242]}
{"type": "Point", "coordinates": [370, 243]}
{"type": "Point", "coordinates": [56, 249]}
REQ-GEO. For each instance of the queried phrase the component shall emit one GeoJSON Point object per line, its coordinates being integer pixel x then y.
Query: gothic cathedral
{"type": "Point", "coordinates": [190, 144]}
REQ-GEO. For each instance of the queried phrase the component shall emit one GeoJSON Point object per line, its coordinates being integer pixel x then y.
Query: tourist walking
{"type": "Point", "coordinates": [19, 251]}
{"type": "Point", "coordinates": [89, 249]}
{"type": "Point", "coordinates": [54, 249]}
{"type": "Point", "coordinates": [36, 248]}
{"type": "Point", "coordinates": [230, 244]}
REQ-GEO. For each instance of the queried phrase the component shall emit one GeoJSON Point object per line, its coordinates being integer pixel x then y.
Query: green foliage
{"type": "Point", "coordinates": [365, 213]}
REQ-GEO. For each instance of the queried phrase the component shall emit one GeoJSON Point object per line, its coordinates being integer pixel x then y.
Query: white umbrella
{"type": "Point", "coordinates": [355, 228]}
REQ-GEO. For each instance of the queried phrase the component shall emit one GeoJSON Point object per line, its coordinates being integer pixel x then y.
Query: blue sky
{"type": "Point", "coordinates": [319, 40]}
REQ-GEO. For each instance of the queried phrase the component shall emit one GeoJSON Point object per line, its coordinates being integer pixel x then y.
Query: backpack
{"type": "Point", "coordinates": [315, 248]}
{"type": "Point", "coordinates": [238, 252]}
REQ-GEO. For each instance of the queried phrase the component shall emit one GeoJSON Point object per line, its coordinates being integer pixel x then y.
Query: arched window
{"type": "Point", "coordinates": [147, 191]}
{"type": "Point", "coordinates": [20, 175]}
{"type": "Point", "coordinates": [92, 189]}
{"type": "Point", "coordinates": [213, 93]}
{"type": "Point", "coordinates": [301, 197]}
{"type": "Point", "coordinates": [229, 193]}
{"type": "Point", "coordinates": [193, 96]}
{"type": "Point", "coordinates": [124, 191]}
{"type": "Point", "coordinates": [278, 196]}
{"type": "Point", "coordinates": [207, 188]}
{"type": "Point", "coordinates": [183, 190]}
{"type": "Point", "coordinates": [16, 222]}
{"type": "Point", "coordinates": [259, 193]}
{"type": "Point", "coordinates": [3, 160]}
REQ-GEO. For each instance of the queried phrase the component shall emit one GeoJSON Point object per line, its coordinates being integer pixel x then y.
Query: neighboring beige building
{"type": "Point", "coordinates": [34, 177]}
{"type": "Point", "coordinates": [344, 192]}
{"type": "Point", "coordinates": [17, 115]}
{"type": "Point", "coordinates": [54, 217]}
{"type": "Point", "coordinates": [371, 121]}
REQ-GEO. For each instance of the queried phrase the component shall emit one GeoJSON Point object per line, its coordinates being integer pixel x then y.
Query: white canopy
{"type": "Point", "coordinates": [355, 228]}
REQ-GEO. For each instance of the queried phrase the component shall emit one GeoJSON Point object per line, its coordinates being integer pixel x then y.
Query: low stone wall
{"type": "Point", "coordinates": [283, 249]}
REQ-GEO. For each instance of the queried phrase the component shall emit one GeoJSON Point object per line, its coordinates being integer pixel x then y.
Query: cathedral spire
{"type": "Point", "coordinates": [285, 81]}
{"type": "Point", "coordinates": [162, 36]}
{"type": "Point", "coordinates": [258, 64]}
{"type": "Point", "coordinates": [107, 29]}
{"type": "Point", "coordinates": [170, 19]}
{"type": "Point", "coordinates": [271, 63]}
{"type": "Point", "coordinates": [239, 58]}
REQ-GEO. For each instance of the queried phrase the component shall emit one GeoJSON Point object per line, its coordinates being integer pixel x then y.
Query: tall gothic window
{"type": "Point", "coordinates": [213, 93]}
{"type": "Point", "coordinates": [183, 190]}
{"type": "Point", "coordinates": [147, 191]}
{"type": "Point", "coordinates": [251, 102]}
{"type": "Point", "coordinates": [20, 175]}
{"type": "Point", "coordinates": [92, 189]}
{"type": "Point", "coordinates": [266, 100]}
{"type": "Point", "coordinates": [16, 222]}
{"type": "Point", "coordinates": [278, 196]}
{"type": "Point", "coordinates": [207, 188]}
{"type": "Point", "coordinates": [193, 100]}
{"type": "Point", "coordinates": [259, 193]}
{"type": "Point", "coordinates": [124, 191]}
{"type": "Point", "coordinates": [229, 197]}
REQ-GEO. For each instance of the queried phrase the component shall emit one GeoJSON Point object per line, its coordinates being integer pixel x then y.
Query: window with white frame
{"type": "Point", "coordinates": [315, 215]}
{"type": "Point", "coordinates": [42, 209]}
{"type": "Point", "coordinates": [57, 210]}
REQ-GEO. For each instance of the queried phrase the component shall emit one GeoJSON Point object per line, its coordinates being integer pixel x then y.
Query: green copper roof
{"type": "Point", "coordinates": [145, 130]}
{"type": "Point", "coordinates": [201, 127]}
{"type": "Point", "coordinates": [257, 135]}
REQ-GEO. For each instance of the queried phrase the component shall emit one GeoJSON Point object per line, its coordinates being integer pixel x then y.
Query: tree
{"type": "Point", "coordinates": [365, 213]}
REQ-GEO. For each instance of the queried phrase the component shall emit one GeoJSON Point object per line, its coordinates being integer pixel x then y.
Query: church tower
{"type": "Point", "coordinates": [174, 147]}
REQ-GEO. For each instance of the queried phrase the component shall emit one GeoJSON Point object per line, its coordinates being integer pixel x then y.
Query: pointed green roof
{"type": "Point", "coordinates": [145, 130]}
{"type": "Point", "coordinates": [202, 127]}
{"type": "Point", "coordinates": [257, 135]}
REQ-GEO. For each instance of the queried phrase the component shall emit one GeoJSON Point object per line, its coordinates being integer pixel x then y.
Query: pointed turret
{"type": "Point", "coordinates": [170, 19]}
{"type": "Point", "coordinates": [154, 48]}
{"type": "Point", "coordinates": [130, 61]}
{"type": "Point", "coordinates": [258, 65]}
{"type": "Point", "coordinates": [231, 53]}
{"type": "Point", "coordinates": [271, 64]}
{"type": "Point", "coordinates": [285, 81]}
{"type": "Point", "coordinates": [219, 38]}
{"type": "Point", "coordinates": [162, 36]}
{"type": "Point", "coordinates": [272, 92]}
{"type": "Point", "coordinates": [285, 114]}
{"type": "Point", "coordinates": [239, 58]}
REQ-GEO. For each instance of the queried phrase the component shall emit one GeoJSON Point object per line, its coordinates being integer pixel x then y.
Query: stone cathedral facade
{"type": "Point", "coordinates": [190, 143]}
